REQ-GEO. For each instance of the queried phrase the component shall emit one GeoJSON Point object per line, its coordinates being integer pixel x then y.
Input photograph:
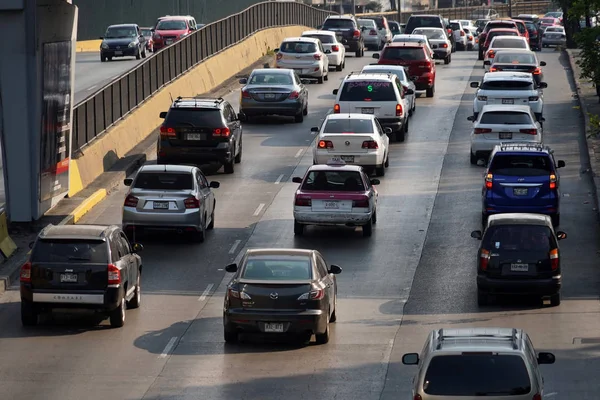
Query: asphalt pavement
{"type": "Point", "coordinates": [416, 273]}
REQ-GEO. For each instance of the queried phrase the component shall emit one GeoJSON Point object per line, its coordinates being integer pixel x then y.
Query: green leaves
{"type": "Point", "coordinates": [589, 61]}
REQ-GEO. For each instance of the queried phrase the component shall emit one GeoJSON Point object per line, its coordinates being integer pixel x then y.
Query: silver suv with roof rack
{"type": "Point", "coordinates": [474, 362]}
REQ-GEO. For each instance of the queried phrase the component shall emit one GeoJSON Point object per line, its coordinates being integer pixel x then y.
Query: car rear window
{"type": "Point", "coordinates": [322, 38]}
{"type": "Point", "coordinates": [423, 22]}
{"type": "Point", "coordinates": [494, 34]}
{"type": "Point", "coordinates": [499, 25]}
{"type": "Point", "coordinates": [269, 78]}
{"type": "Point", "coordinates": [333, 181]}
{"type": "Point", "coordinates": [521, 164]}
{"type": "Point", "coordinates": [469, 375]}
{"type": "Point", "coordinates": [554, 30]}
{"type": "Point", "coordinates": [502, 43]}
{"type": "Point", "coordinates": [519, 237]}
{"type": "Point", "coordinates": [514, 58]}
{"type": "Point", "coordinates": [298, 47]}
{"type": "Point", "coordinates": [368, 91]}
{"type": "Point", "coordinates": [338, 23]}
{"type": "Point", "coordinates": [505, 117]}
{"type": "Point", "coordinates": [398, 72]}
{"type": "Point", "coordinates": [547, 20]}
{"type": "Point", "coordinates": [507, 85]}
{"type": "Point", "coordinates": [146, 32]}
{"type": "Point", "coordinates": [164, 181]}
{"type": "Point", "coordinates": [432, 34]}
{"type": "Point", "coordinates": [379, 22]}
{"type": "Point", "coordinates": [454, 26]}
{"type": "Point", "coordinates": [166, 25]}
{"type": "Point", "coordinates": [349, 125]}
{"type": "Point", "coordinates": [278, 268]}
{"type": "Point", "coordinates": [70, 251]}
{"type": "Point", "coordinates": [531, 26]}
{"type": "Point", "coordinates": [404, 54]}
{"type": "Point", "coordinates": [194, 117]}
{"type": "Point", "coordinates": [368, 23]}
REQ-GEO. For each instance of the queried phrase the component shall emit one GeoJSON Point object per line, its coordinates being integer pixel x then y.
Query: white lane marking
{"type": "Point", "coordinates": [239, 256]}
{"type": "Point", "coordinates": [91, 87]}
{"type": "Point", "coordinates": [206, 292]}
{"type": "Point", "coordinates": [299, 153]}
{"type": "Point", "coordinates": [168, 347]}
{"type": "Point", "coordinates": [278, 180]}
{"type": "Point", "coordinates": [388, 352]}
{"type": "Point", "coordinates": [259, 209]}
{"type": "Point", "coordinates": [234, 246]}
{"type": "Point", "coordinates": [551, 394]}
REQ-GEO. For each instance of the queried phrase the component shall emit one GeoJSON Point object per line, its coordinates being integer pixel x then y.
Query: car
{"type": "Point", "coordinates": [347, 27]}
{"type": "Point", "coordinates": [148, 33]}
{"type": "Point", "coordinates": [467, 23]}
{"type": "Point", "coordinates": [191, 21]}
{"type": "Point", "coordinates": [485, 14]}
{"type": "Point", "coordinates": [379, 94]}
{"type": "Point", "coordinates": [519, 255]}
{"type": "Point", "coordinates": [480, 24]}
{"type": "Point", "coordinates": [169, 30]}
{"type": "Point", "coordinates": [416, 58]}
{"type": "Point", "coordinates": [485, 46]}
{"type": "Point", "coordinates": [335, 194]}
{"type": "Point", "coordinates": [500, 43]}
{"type": "Point", "coordinates": [555, 14]}
{"type": "Point", "coordinates": [517, 60]}
{"type": "Point", "coordinates": [169, 198]}
{"type": "Point", "coordinates": [402, 74]}
{"type": "Point", "coordinates": [450, 33]}
{"type": "Point", "coordinates": [124, 40]}
{"type": "Point", "coordinates": [554, 36]}
{"type": "Point", "coordinates": [271, 91]}
{"type": "Point", "coordinates": [441, 45]}
{"type": "Point", "coordinates": [471, 363]}
{"type": "Point", "coordinates": [383, 27]}
{"type": "Point", "coordinates": [495, 24]}
{"type": "Point", "coordinates": [357, 139]}
{"type": "Point", "coordinates": [200, 130]}
{"type": "Point", "coordinates": [471, 41]}
{"type": "Point", "coordinates": [281, 291]}
{"type": "Point", "coordinates": [395, 28]}
{"type": "Point", "coordinates": [509, 88]}
{"type": "Point", "coordinates": [534, 18]}
{"type": "Point", "coordinates": [460, 37]}
{"type": "Point", "coordinates": [373, 38]}
{"type": "Point", "coordinates": [421, 39]}
{"type": "Point", "coordinates": [535, 37]}
{"type": "Point", "coordinates": [92, 267]}
{"type": "Point", "coordinates": [548, 21]}
{"type": "Point", "coordinates": [502, 124]}
{"type": "Point", "coordinates": [306, 56]}
{"type": "Point", "coordinates": [329, 40]}
{"type": "Point", "coordinates": [424, 21]}
{"type": "Point", "coordinates": [522, 28]}
{"type": "Point", "coordinates": [522, 178]}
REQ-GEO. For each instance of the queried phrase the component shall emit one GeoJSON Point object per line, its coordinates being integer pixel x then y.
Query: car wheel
{"type": "Point", "coordinates": [368, 228]}
{"type": "Point", "coordinates": [136, 300]}
{"type": "Point", "coordinates": [109, 58]}
{"type": "Point", "coordinates": [298, 228]}
{"type": "Point", "coordinates": [305, 111]}
{"type": "Point", "coordinates": [117, 316]}
{"type": "Point", "coordinates": [448, 59]}
{"type": "Point", "coordinates": [430, 92]}
{"type": "Point", "coordinates": [29, 313]}
{"type": "Point", "coordinates": [400, 135]}
{"type": "Point", "coordinates": [320, 80]}
{"type": "Point", "coordinates": [326, 75]}
{"type": "Point", "coordinates": [229, 167]}
{"type": "Point", "coordinates": [230, 335]}
{"type": "Point", "coordinates": [374, 217]}
{"type": "Point", "coordinates": [339, 67]}
{"type": "Point", "coordinates": [323, 338]}
{"type": "Point", "coordinates": [380, 171]}
{"type": "Point", "coordinates": [200, 234]}
{"type": "Point", "coordinates": [406, 126]}
{"type": "Point", "coordinates": [212, 218]}
{"type": "Point", "coordinates": [414, 106]}
{"type": "Point", "coordinates": [482, 298]}
{"type": "Point", "coordinates": [555, 300]}
{"type": "Point", "coordinates": [387, 161]}
{"type": "Point", "coordinates": [473, 158]}
{"type": "Point", "coordinates": [333, 317]}
{"type": "Point", "coordinates": [556, 220]}
{"type": "Point", "coordinates": [102, 59]}
{"type": "Point", "coordinates": [299, 118]}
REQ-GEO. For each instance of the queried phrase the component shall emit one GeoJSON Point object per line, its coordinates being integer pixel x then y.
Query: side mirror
{"type": "Point", "coordinates": [376, 56]}
{"type": "Point", "coordinates": [471, 118]}
{"type": "Point", "coordinates": [137, 247]}
{"type": "Point", "coordinates": [276, 50]}
{"type": "Point", "coordinates": [543, 85]}
{"type": "Point", "coordinates": [410, 359]}
{"type": "Point", "coordinates": [335, 269]}
{"type": "Point", "coordinates": [327, 51]}
{"type": "Point", "coordinates": [542, 63]}
{"type": "Point", "coordinates": [231, 268]}
{"type": "Point", "coordinates": [487, 62]}
{"type": "Point", "coordinates": [243, 81]}
{"type": "Point", "coordinates": [410, 91]}
{"type": "Point", "coordinates": [215, 184]}
{"type": "Point", "coordinates": [434, 46]}
{"type": "Point", "coordinates": [546, 358]}
{"type": "Point", "coordinates": [314, 129]}
{"type": "Point", "coordinates": [335, 91]}
{"type": "Point", "coordinates": [31, 245]}
{"type": "Point", "coordinates": [297, 179]}
{"type": "Point", "coordinates": [375, 182]}
{"type": "Point", "coordinates": [387, 131]}
{"type": "Point", "coordinates": [163, 115]}
{"type": "Point", "coordinates": [560, 235]}
{"type": "Point", "coordinates": [474, 85]}
{"type": "Point", "coordinates": [127, 181]}
{"type": "Point", "coordinates": [476, 235]}
{"type": "Point", "coordinates": [561, 164]}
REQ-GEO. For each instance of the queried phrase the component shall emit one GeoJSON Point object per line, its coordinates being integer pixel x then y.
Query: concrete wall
{"type": "Point", "coordinates": [127, 133]}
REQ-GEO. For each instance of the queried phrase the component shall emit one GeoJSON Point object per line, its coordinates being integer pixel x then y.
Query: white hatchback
{"type": "Point", "coordinates": [503, 43]}
{"type": "Point", "coordinates": [329, 40]}
{"type": "Point", "coordinates": [306, 56]}
{"type": "Point", "coordinates": [356, 139]}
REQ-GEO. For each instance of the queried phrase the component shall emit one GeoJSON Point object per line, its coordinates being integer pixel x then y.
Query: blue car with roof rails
{"type": "Point", "coordinates": [522, 178]}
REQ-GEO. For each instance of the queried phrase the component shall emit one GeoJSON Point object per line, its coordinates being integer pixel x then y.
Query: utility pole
{"type": "Point", "coordinates": [510, 8]}
{"type": "Point", "coordinates": [353, 7]}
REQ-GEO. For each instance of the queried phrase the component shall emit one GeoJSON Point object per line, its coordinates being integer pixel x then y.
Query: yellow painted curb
{"type": "Point", "coordinates": [7, 245]}
{"type": "Point", "coordinates": [84, 207]}
{"type": "Point", "coordinates": [88, 45]}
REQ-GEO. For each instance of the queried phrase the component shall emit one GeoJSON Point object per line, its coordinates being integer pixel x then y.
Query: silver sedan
{"type": "Point", "coordinates": [169, 197]}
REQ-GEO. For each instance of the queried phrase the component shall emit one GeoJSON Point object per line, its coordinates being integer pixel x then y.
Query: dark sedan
{"type": "Point", "coordinates": [125, 40]}
{"type": "Point", "coordinates": [274, 92]}
{"type": "Point", "coordinates": [281, 291]}
{"type": "Point", "coordinates": [518, 61]}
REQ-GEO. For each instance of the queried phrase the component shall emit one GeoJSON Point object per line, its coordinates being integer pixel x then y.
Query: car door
{"type": "Point", "coordinates": [205, 193]}
{"type": "Point", "coordinates": [383, 139]}
{"type": "Point", "coordinates": [233, 123]}
{"type": "Point", "coordinates": [328, 281]}
{"type": "Point", "coordinates": [371, 191]}
{"type": "Point", "coordinates": [303, 89]}
{"type": "Point", "coordinates": [132, 259]}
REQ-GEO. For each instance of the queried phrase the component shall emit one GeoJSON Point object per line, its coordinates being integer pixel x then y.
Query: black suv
{"type": "Point", "coordinates": [429, 21]}
{"type": "Point", "coordinates": [81, 267]}
{"type": "Point", "coordinates": [519, 254]}
{"type": "Point", "coordinates": [200, 131]}
{"type": "Point", "coordinates": [347, 27]}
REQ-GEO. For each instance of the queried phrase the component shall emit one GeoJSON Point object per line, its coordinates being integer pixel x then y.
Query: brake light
{"type": "Point", "coordinates": [494, 69]}
{"type": "Point", "coordinates": [462, 33]}
{"type": "Point", "coordinates": [449, 31]}
{"type": "Point", "coordinates": [362, 203]}
{"type": "Point", "coordinates": [373, 32]}
{"type": "Point", "coordinates": [370, 144]}
{"type": "Point", "coordinates": [167, 132]}
{"type": "Point", "coordinates": [484, 259]}
{"type": "Point", "coordinates": [236, 294]}
{"type": "Point", "coordinates": [246, 94]}
{"type": "Point", "coordinates": [528, 131]}
{"type": "Point", "coordinates": [553, 182]}
{"type": "Point", "coordinates": [398, 110]}
{"type": "Point", "coordinates": [470, 37]}
{"type": "Point", "coordinates": [325, 144]}
{"type": "Point", "coordinates": [417, 397]}
{"type": "Point", "coordinates": [444, 45]}
{"type": "Point", "coordinates": [488, 181]}
{"type": "Point", "coordinates": [300, 202]}
{"type": "Point", "coordinates": [537, 396]}
{"type": "Point", "coordinates": [225, 132]}
{"type": "Point", "coordinates": [537, 71]}
{"type": "Point", "coordinates": [294, 95]}
{"type": "Point", "coordinates": [482, 98]}
{"type": "Point", "coordinates": [477, 131]}
{"type": "Point", "coordinates": [491, 54]}
{"type": "Point", "coordinates": [25, 276]}
{"type": "Point", "coordinates": [317, 56]}
{"type": "Point", "coordinates": [114, 275]}
{"type": "Point", "coordinates": [335, 48]}
{"type": "Point", "coordinates": [279, 56]}
{"type": "Point", "coordinates": [191, 202]}
{"type": "Point", "coordinates": [313, 295]}
{"type": "Point", "coordinates": [356, 33]}
{"type": "Point", "coordinates": [131, 201]}
{"type": "Point", "coordinates": [336, 109]}
{"type": "Point", "coordinates": [554, 259]}
{"type": "Point", "coordinates": [424, 65]}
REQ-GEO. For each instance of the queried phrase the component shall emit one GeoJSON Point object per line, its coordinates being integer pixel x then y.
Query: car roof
{"type": "Point", "coordinates": [369, 76]}
{"type": "Point", "coordinates": [80, 232]}
{"type": "Point", "coordinates": [503, 75]}
{"type": "Point", "coordinates": [503, 339]}
{"type": "Point", "coordinates": [197, 102]}
{"type": "Point", "coordinates": [505, 107]}
{"type": "Point", "coordinates": [503, 30]}
{"type": "Point", "coordinates": [166, 168]}
{"type": "Point", "coordinates": [326, 167]}
{"type": "Point", "coordinates": [300, 39]}
{"type": "Point", "coordinates": [282, 71]}
{"type": "Point", "coordinates": [406, 44]}
{"type": "Point", "coordinates": [515, 51]}
{"type": "Point", "coordinates": [175, 18]}
{"type": "Point", "coordinates": [280, 251]}
{"type": "Point", "coordinates": [383, 67]}
{"type": "Point", "coordinates": [122, 26]}
{"type": "Point", "coordinates": [317, 32]}
{"type": "Point", "coordinates": [350, 116]}
{"type": "Point", "coordinates": [519, 219]}
{"type": "Point", "coordinates": [340, 17]}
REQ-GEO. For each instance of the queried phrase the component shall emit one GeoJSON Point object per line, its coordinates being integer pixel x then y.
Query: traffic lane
{"type": "Point", "coordinates": [91, 74]}
{"type": "Point", "coordinates": [444, 291]}
{"type": "Point", "coordinates": [372, 288]}
{"type": "Point", "coordinates": [177, 280]}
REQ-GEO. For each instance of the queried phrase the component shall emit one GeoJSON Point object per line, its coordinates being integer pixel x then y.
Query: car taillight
{"type": "Point", "coordinates": [336, 109]}
{"type": "Point", "coordinates": [444, 45]}
{"type": "Point", "coordinates": [372, 32]}
{"type": "Point", "coordinates": [553, 182]}
{"type": "Point", "coordinates": [424, 65]}
{"type": "Point", "coordinates": [470, 37]}
{"type": "Point", "coordinates": [191, 202]}
{"type": "Point", "coordinates": [462, 33]}
{"type": "Point", "coordinates": [225, 132]}
{"type": "Point", "coordinates": [494, 69]}
{"type": "Point", "coordinates": [294, 95]}
{"type": "Point", "coordinates": [370, 144]}
{"type": "Point", "coordinates": [477, 131]}
{"type": "Point", "coordinates": [25, 275]}
{"type": "Point", "coordinates": [449, 31]}
{"type": "Point", "coordinates": [317, 56]}
{"type": "Point", "coordinates": [313, 295]}
{"type": "Point", "coordinates": [335, 48]}
{"type": "Point", "coordinates": [362, 203]}
{"type": "Point", "coordinates": [491, 54]}
{"type": "Point", "coordinates": [528, 131]}
{"type": "Point", "coordinates": [417, 397]}
{"type": "Point", "coordinates": [300, 202]}
{"type": "Point", "coordinates": [484, 259]}
{"type": "Point", "coordinates": [489, 181]}
{"type": "Point", "coordinates": [246, 94]}
{"type": "Point", "coordinates": [279, 56]}
{"type": "Point", "coordinates": [537, 71]}
{"type": "Point", "coordinates": [554, 259]}
{"type": "Point", "coordinates": [325, 144]}
{"type": "Point", "coordinates": [482, 98]}
{"type": "Point", "coordinates": [356, 33]}
{"type": "Point", "coordinates": [167, 132]}
{"type": "Point", "coordinates": [237, 294]}
{"type": "Point", "coordinates": [131, 201]}
{"type": "Point", "coordinates": [398, 110]}
{"type": "Point", "coordinates": [114, 275]}
{"type": "Point", "coordinates": [534, 32]}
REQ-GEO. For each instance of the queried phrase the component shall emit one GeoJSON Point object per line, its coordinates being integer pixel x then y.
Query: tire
{"type": "Point", "coordinates": [29, 314]}
{"type": "Point", "coordinates": [414, 107]}
{"type": "Point", "coordinates": [333, 317]}
{"type": "Point", "coordinates": [200, 235]}
{"type": "Point", "coordinates": [323, 338]}
{"type": "Point", "coordinates": [243, 116]}
{"type": "Point", "coordinates": [102, 59]}
{"type": "Point", "coordinates": [430, 92]}
{"type": "Point", "coordinates": [380, 171]}
{"type": "Point", "coordinates": [480, 56]}
{"type": "Point", "coordinates": [298, 228]}
{"type": "Point", "coordinates": [305, 111]}
{"type": "Point", "coordinates": [230, 336]}
{"type": "Point", "coordinates": [117, 316]}
{"type": "Point", "coordinates": [138, 55]}
{"type": "Point", "coordinates": [374, 217]}
{"type": "Point", "coordinates": [326, 76]}
{"type": "Point", "coordinates": [473, 158]}
{"type": "Point", "coordinates": [299, 118]}
{"type": "Point", "coordinates": [387, 161]}
{"type": "Point", "coordinates": [405, 127]}
{"type": "Point", "coordinates": [400, 135]}
{"type": "Point", "coordinates": [136, 300]}
{"type": "Point", "coordinates": [555, 300]}
{"type": "Point", "coordinates": [212, 218]}
{"type": "Point", "coordinates": [484, 220]}
{"type": "Point", "coordinates": [368, 228]}
{"type": "Point", "coordinates": [447, 59]}
{"type": "Point", "coordinates": [238, 157]}
{"type": "Point", "coordinates": [482, 298]}
{"type": "Point", "coordinates": [556, 220]}
{"type": "Point", "coordinates": [144, 53]}
{"type": "Point", "coordinates": [340, 67]}
{"type": "Point", "coordinates": [109, 58]}
{"type": "Point", "coordinates": [320, 80]}
{"type": "Point", "coordinates": [229, 167]}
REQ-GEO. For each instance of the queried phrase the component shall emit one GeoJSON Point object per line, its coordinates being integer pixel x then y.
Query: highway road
{"type": "Point", "coordinates": [416, 273]}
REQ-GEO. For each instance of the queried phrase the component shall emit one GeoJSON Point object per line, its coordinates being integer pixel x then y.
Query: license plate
{"type": "Point", "coordinates": [277, 328]}
{"type": "Point", "coordinates": [520, 191]}
{"type": "Point", "coordinates": [194, 136]}
{"type": "Point", "coordinates": [508, 101]}
{"type": "Point", "coordinates": [331, 205]}
{"type": "Point", "coordinates": [367, 110]}
{"type": "Point", "coordinates": [349, 159]}
{"type": "Point", "coordinates": [168, 42]}
{"type": "Point", "coordinates": [68, 278]}
{"type": "Point", "coordinates": [505, 135]}
{"type": "Point", "coordinates": [519, 267]}
{"type": "Point", "coordinates": [269, 96]}
{"type": "Point", "coordinates": [161, 205]}
{"type": "Point", "coordinates": [118, 53]}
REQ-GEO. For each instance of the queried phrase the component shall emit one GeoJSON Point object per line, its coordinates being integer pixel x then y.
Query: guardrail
{"type": "Point", "coordinates": [101, 110]}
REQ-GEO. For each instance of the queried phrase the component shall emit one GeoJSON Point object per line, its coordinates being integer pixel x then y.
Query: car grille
{"type": "Point", "coordinates": [169, 37]}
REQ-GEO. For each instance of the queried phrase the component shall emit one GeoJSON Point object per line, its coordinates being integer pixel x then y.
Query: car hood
{"type": "Point", "coordinates": [171, 32]}
{"type": "Point", "coordinates": [119, 41]}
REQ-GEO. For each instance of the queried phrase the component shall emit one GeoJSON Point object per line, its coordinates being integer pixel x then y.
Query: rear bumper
{"type": "Point", "coordinates": [542, 287]}
{"type": "Point", "coordinates": [167, 154]}
{"type": "Point", "coordinates": [489, 208]}
{"type": "Point", "coordinates": [134, 218]}
{"type": "Point", "coordinates": [331, 218]}
{"type": "Point", "coordinates": [314, 321]}
{"type": "Point", "coordinates": [480, 146]}
{"type": "Point", "coordinates": [554, 42]}
{"type": "Point", "coordinates": [100, 300]}
{"type": "Point", "coordinates": [394, 123]}
{"type": "Point", "coordinates": [124, 52]}
{"type": "Point", "coordinates": [363, 159]}
{"type": "Point", "coordinates": [286, 107]}
{"type": "Point", "coordinates": [372, 40]}
{"type": "Point", "coordinates": [441, 54]}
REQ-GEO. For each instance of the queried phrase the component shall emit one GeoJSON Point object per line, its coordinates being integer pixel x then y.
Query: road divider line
{"type": "Point", "coordinates": [259, 209]}
{"type": "Point", "coordinates": [299, 153]}
{"type": "Point", "coordinates": [206, 292]}
{"type": "Point", "coordinates": [278, 180]}
{"type": "Point", "coordinates": [239, 256]}
{"type": "Point", "coordinates": [168, 347]}
{"type": "Point", "coordinates": [234, 246]}
{"type": "Point", "coordinates": [387, 355]}
{"type": "Point", "coordinates": [92, 87]}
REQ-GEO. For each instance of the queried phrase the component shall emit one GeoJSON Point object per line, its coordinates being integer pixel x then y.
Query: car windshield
{"type": "Point", "coordinates": [514, 58]}
{"type": "Point", "coordinates": [164, 181]}
{"type": "Point", "coordinates": [194, 118]}
{"type": "Point", "coordinates": [469, 375]}
{"type": "Point", "coordinates": [267, 78]}
{"type": "Point", "coordinates": [404, 54]}
{"type": "Point", "coordinates": [333, 181]}
{"type": "Point", "coordinates": [146, 32]}
{"type": "Point", "coordinates": [432, 34]}
{"type": "Point", "coordinates": [338, 23]}
{"type": "Point", "coordinates": [322, 38]}
{"type": "Point", "coordinates": [171, 25]}
{"type": "Point", "coordinates": [368, 91]}
{"type": "Point", "coordinates": [518, 238]}
{"type": "Point", "coordinates": [508, 44]}
{"type": "Point", "coordinates": [70, 251]}
{"type": "Point", "coordinates": [521, 165]}
{"type": "Point", "coordinates": [298, 47]}
{"type": "Point", "coordinates": [278, 268]}
{"type": "Point", "coordinates": [349, 125]}
{"type": "Point", "coordinates": [505, 118]}
{"type": "Point", "coordinates": [507, 85]}
{"type": "Point", "coordinates": [120, 33]}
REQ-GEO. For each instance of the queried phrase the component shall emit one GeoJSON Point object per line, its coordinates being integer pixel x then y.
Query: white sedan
{"type": "Point", "coordinates": [329, 40]}
{"type": "Point", "coordinates": [356, 139]}
{"type": "Point", "coordinates": [502, 43]}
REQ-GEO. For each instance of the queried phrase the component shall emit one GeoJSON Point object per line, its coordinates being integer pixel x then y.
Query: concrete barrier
{"type": "Point", "coordinates": [88, 45]}
{"type": "Point", "coordinates": [103, 152]}
{"type": "Point", "coordinates": [7, 245]}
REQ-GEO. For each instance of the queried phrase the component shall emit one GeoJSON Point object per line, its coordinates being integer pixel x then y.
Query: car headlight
{"type": "Point", "coordinates": [133, 44]}
{"type": "Point", "coordinates": [104, 46]}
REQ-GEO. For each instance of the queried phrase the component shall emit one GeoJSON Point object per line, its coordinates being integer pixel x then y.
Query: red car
{"type": "Point", "coordinates": [497, 24]}
{"type": "Point", "coordinates": [522, 28]}
{"type": "Point", "coordinates": [169, 30]}
{"type": "Point", "coordinates": [497, 32]}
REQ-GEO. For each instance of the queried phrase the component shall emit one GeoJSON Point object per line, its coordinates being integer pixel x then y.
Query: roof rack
{"type": "Point", "coordinates": [534, 146]}
{"type": "Point", "coordinates": [216, 101]}
{"type": "Point", "coordinates": [512, 337]}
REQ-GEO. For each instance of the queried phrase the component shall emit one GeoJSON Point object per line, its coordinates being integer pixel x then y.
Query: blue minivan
{"type": "Point", "coordinates": [522, 178]}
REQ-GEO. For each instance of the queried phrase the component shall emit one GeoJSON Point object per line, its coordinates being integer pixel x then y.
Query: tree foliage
{"type": "Point", "coordinates": [374, 6]}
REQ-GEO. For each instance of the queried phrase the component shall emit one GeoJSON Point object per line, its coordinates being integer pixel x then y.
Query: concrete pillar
{"type": "Point", "coordinates": [36, 86]}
